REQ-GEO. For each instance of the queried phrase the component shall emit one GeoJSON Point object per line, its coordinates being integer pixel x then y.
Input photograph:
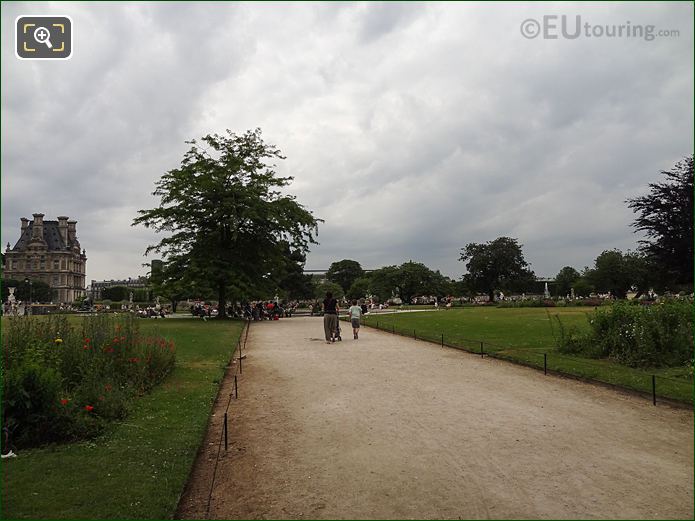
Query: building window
{"type": "Point", "coordinates": [56, 264]}
{"type": "Point", "coordinates": [63, 264]}
{"type": "Point", "coordinates": [56, 280]}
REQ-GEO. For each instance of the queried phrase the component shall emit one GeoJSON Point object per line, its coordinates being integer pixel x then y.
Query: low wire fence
{"type": "Point", "coordinates": [236, 365]}
{"type": "Point", "coordinates": [549, 360]}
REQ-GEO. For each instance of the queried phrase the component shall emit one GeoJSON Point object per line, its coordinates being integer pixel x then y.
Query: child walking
{"type": "Point", "coordinates": [355, 315]}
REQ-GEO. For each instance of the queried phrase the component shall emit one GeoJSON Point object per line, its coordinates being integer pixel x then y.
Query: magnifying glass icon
{"type": "Point", "coordinates": [43, 35]}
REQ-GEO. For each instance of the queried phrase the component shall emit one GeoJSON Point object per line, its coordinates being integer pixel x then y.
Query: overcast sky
{"type": "Point", "coordinates": [412, 129]}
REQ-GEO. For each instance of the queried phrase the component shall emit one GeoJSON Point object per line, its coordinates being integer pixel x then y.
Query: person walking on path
{"type": "Point", "coordinates": [355, 315]}
{"type": "Point", "coordinates": [330, 317]}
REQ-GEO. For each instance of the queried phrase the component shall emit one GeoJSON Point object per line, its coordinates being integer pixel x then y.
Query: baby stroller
{"type": "Point", "coordinates": [337, 331]}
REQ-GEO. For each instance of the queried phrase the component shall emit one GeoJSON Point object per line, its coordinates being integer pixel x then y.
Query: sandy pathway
{"type": "Point", "coordinates": [388, 427]}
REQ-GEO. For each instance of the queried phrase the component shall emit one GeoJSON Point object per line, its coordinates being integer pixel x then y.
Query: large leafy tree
{"type": "Point", "coordinates": [415, 279]}
{"type": "Point", "coordinates": [496, 265]}
{"type": "Point", "coordinates": [565, 280]}
{"type": "Point", "coordinates": [324, 287]}
{"type": "Point", "coordinates": [360, 288]}
{"type": "Point", "coordinates": [344, 272]}
{"type": "Point", "coordinates": [292, 283]}
{"type": "Point", "coordinates": [617, 272]}
{"type": "Point", "coordinates": [382, 282]}
{"type": "Point", "coordinates": [37, 291]}
{"type": "Point", "coordinates": [665, 215]}
{"type": "Point", "coordinates": [227, 220]}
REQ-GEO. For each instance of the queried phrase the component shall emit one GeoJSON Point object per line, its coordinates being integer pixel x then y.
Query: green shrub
{"type": "Point", "coordinates": [658, 335]}
{"type": "Point", "coordinates": [62, 384]}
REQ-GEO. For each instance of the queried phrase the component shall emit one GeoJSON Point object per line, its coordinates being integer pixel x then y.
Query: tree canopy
{"type": "Point", "coordinates": [344, 272]}
{"type": "Point", "coordinates": [565, 279]}
{"type": "Point", "coordinates": [228, 223]}
{"type": "Point", "coordinates": [496, 265]}
{"type": "Point", "coordinates": [665, 215]}
{"type": "Point", "coordinates": [617, 272]}
{"type": "Point", "coordinates": [38, 291]}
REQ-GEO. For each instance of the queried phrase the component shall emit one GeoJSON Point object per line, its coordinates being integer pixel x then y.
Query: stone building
{"type": "Point", "coordinates": [50, 252]}
{"type": "Point", "coordinates": [97, 287]}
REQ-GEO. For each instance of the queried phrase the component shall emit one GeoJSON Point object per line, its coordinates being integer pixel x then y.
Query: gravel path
{"type": "Point", "coordinates": [389, 427]}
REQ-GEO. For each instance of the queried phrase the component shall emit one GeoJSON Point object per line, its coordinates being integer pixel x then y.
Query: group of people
{"type": "Point", "coordinates": [331, 325]}
{"type": "Point", "coordinates": [269, 310]}
{"type": "Point", "coordinates": [151, 312]}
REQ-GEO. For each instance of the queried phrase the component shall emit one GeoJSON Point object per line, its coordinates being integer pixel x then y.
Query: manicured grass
{"type": "Point", "coordinates": [139, 468]}
{"type": "Point", "coordinates": [523, 335]}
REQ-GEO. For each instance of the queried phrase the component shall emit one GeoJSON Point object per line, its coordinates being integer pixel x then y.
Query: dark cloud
{"type": "Point", "coordinates": [412, 129]}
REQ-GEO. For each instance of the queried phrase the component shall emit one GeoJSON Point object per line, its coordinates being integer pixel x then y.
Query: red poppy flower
{"type": "Point", "coordinates": [88, 408]}
{"type": "Point", "coordinates": [108, 388]}
{"type": "Point", "coordinates": [86, 340]}
{"type": "Point", "coordinates": [64, 401]}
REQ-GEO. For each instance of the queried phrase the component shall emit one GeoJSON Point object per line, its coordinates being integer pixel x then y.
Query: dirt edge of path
{"type": "Point", "coordinates": [193, 502]}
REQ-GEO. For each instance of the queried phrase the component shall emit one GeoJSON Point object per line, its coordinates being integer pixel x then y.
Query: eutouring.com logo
{"type": "Point", "coordinates": [553, 27]}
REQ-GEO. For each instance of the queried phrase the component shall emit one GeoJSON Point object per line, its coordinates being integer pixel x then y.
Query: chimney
{"type": "Point", "coordinates": [37, 229]}
{"type": "Point", "coordinates": [63, 228]}
{"type": "Point", "coordinates": [72, 233]}
{"type": "Point", "coordinates": [25, 225]}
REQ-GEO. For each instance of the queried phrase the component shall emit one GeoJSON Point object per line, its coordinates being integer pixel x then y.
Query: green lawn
{"type": "Point", "coordinates": [524, 335]}
{"type": "Point", "coordinates": [139, 468]}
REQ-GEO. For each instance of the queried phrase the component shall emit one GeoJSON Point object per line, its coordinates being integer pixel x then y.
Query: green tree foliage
{"type": "Point", "coordinates": [322, 288]}
{"type": "Point", "coordinates": [292, 283]}
{"type": "Point", "coordinates": [382, 282]}
{"type": "Point", "coordinates": [496, 265]}
{"type": "Point", "coordinates": [359, 288]}
{"type": "Point", "coordinates": [39, 291]}
{"type": "Point", "coordinates": [665, 214]}
{"type": "Point", "coordinates": [115, 293]}
{"type": "Point", "coordinates": [413, 279]}
{"type": "Point", "coordinates": [618, 272]}
{"type": "Point", "coordinates": [345, 272]}
{"type": "Point", "coordinates": [406, 281]}
{"type": "Point", "coordinates": [565, 279]}
{"type": "Point", "coordinates": [582, 287]}
{"type": "Point", "coordinates": [227, 219]}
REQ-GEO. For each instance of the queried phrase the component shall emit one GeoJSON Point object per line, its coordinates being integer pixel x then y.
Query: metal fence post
{"type": "Point", "coordinates": [225, 431]}
{"type": "Point", "coordinates": [482, 353]}
{"type": "Point", "coordinates": [236, 389]}
{"type": "Point", "coordinates": [654, 389]}
{"type": "Point", "coordinates": [442, 339]}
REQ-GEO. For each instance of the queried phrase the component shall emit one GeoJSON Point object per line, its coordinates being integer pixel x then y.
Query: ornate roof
{"type": "Point", "coordinates": [51, 235]}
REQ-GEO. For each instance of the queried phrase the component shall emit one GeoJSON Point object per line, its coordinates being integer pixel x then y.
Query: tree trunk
{"type": "Point", "coordinates": [491, 294]}
{"type": "Point", "coordinates": [174, 305]}
{"type": "Point", "coordinates": [221, 301]}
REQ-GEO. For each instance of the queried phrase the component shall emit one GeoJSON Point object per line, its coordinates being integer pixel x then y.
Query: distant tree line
{"type": "Point", "coordinates": [233, 233]}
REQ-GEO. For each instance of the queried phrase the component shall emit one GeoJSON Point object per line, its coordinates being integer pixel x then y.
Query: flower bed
{"type": "Point", "coordinates": [64, 383]}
